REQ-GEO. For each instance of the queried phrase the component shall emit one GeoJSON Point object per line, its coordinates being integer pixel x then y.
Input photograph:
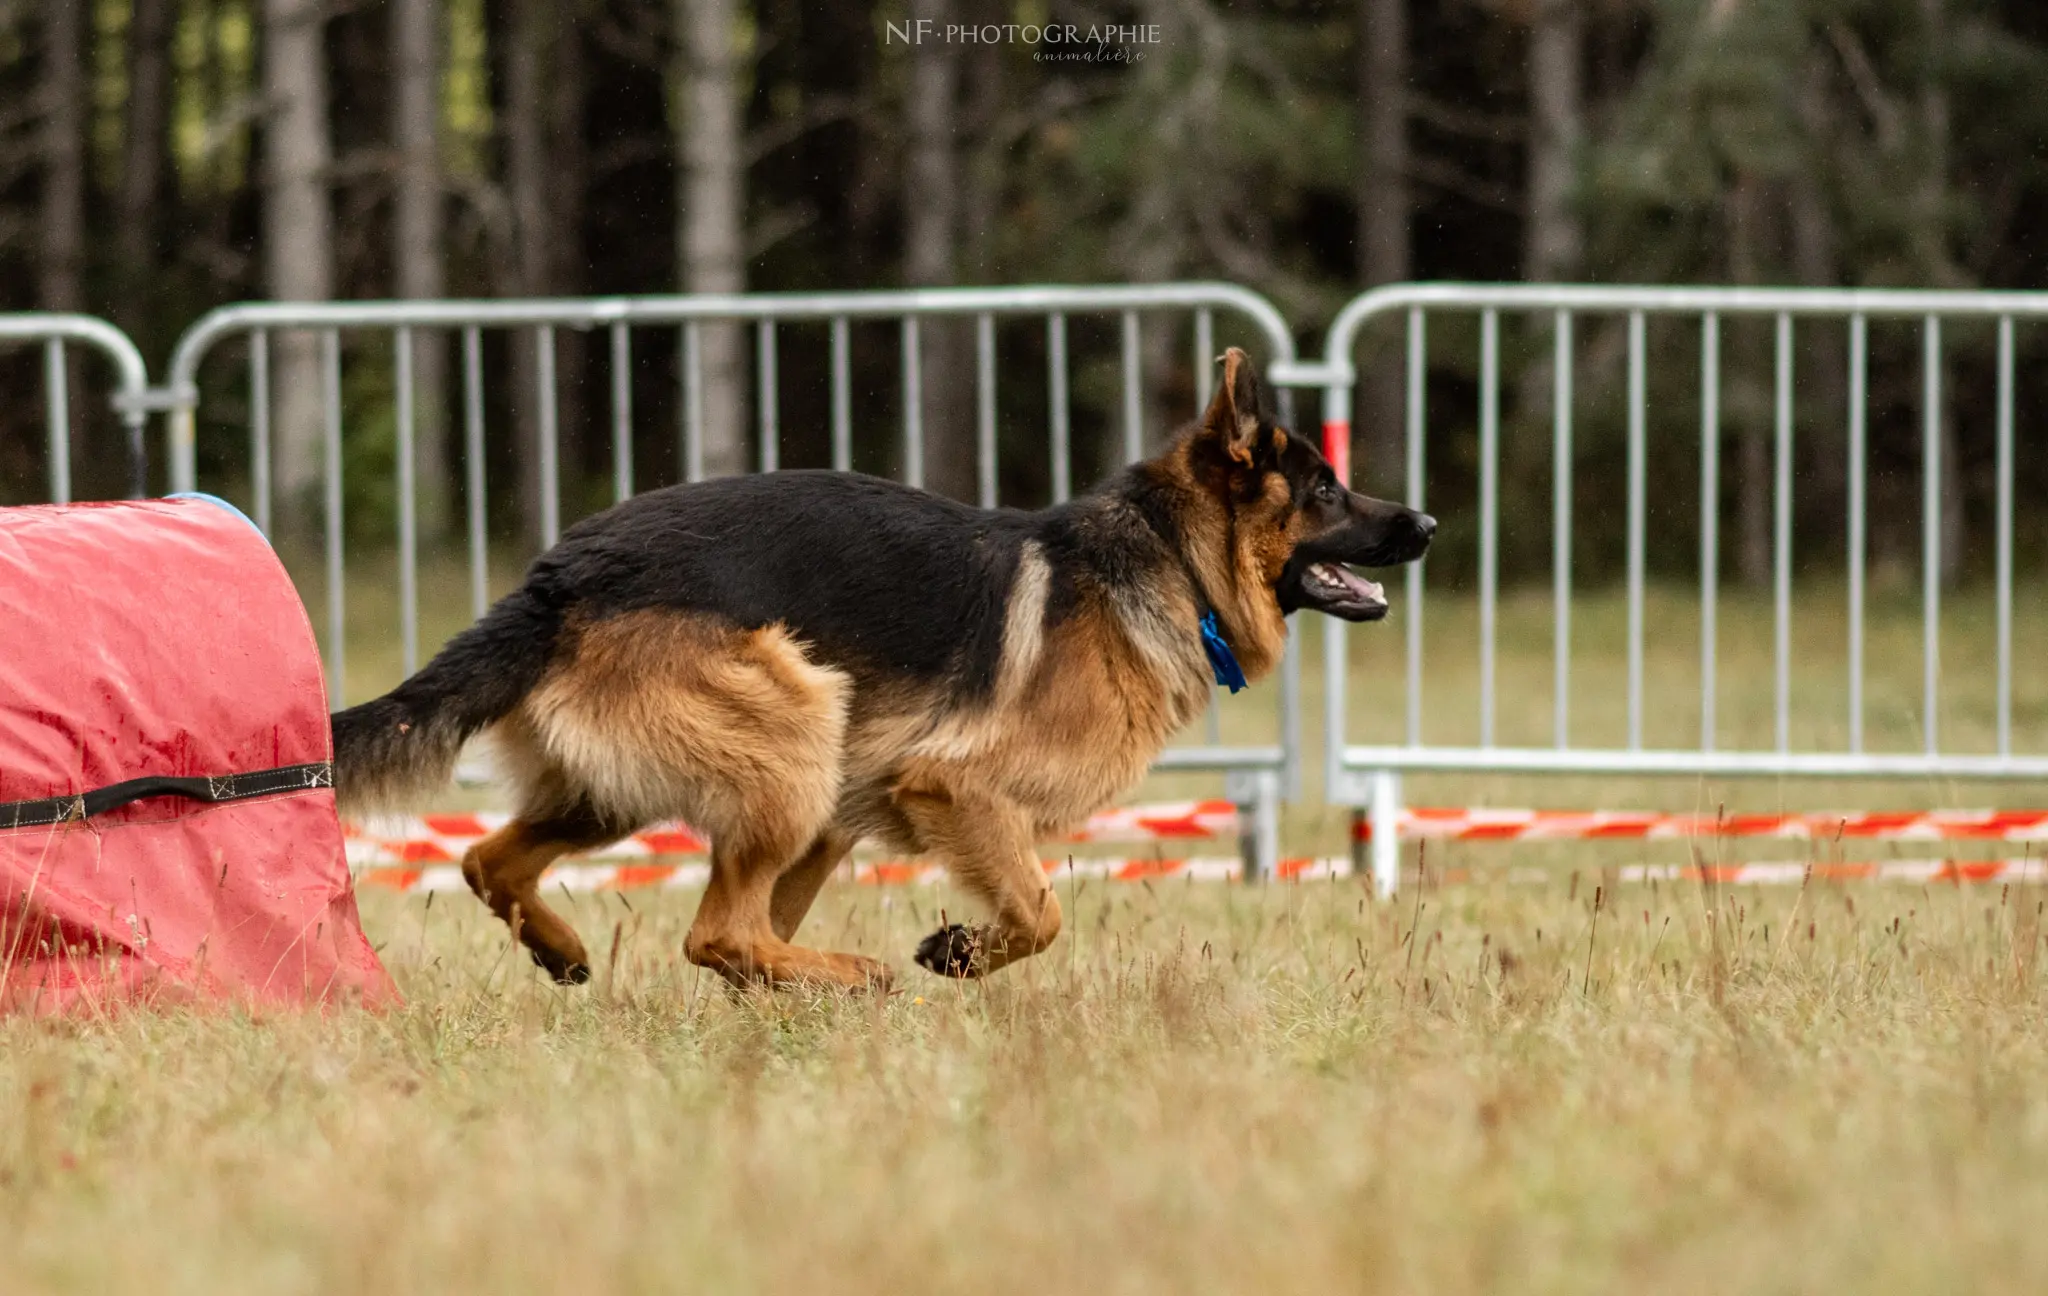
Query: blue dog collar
{"type": "Point", "coordinates": [1221, 659]}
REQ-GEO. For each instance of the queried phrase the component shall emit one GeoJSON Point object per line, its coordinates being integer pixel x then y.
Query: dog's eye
{"type": "Point", "coordinates": [1326, 491]}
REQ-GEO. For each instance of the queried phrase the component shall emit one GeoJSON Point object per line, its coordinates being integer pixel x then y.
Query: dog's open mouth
{"type": "Point", "coordinates": [1337, 590]}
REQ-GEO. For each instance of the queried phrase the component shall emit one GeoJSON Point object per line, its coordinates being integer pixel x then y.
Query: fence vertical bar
{"type": "Point", "coordinates": [408, 508]}
{"type": "Point", "coordinates": [842, 395]}
{"type": "Point", "coordinates": [1930, 540]}
{"type": "Point", "coordinates": [473, 469]}
{"type": "Point", "coordinates": [2004, 524]}
{"type": "Point", "coordinates": [985, 409]}
{"type": "Point", "coordinates": [181, 451]}
{"type": "Point", "coordinates": [1710, 519]}
{"type": "Point", "coordinates": [1290, 718]}
{"type": "Point", "coordinates": [913, 404]}
{"type": "Point", "coordinates": [330, 398]}
{"type": "Point", "coordinates": [1056, 397]}
{"type": "Point", "coordinates": [1134, 405]}
{"type": "Point", "coordinates": [1258, 807]}
{"type": "Point", "coordinates": [1638, 438]}
{"type": "Point", "coordinates": [1489, 512]}
{"type": "Point", "coordinates": [1781, 545]}
{"type": "Point", "coordinates": [693, 402]}
{"type": "Point", "coordinates": [1418, 392]}
{"type": "Point", "coordinates": [1386, 832]}
{"type": "Point", "coordinates": [622, 413]}
{"type": "Point", "coordinates": [550, 440]}
{"type": "Point", "coordinates": [1205, 358]}
{"type": "Point", "coordinates": [259, 426]}
{"type": "Point", "coordinates": [766, 382]}
{"type": "Point", "coordinates": [1336, 411]}
{"type": "Point", "coordinates": [1859, 425]}
{"type": "Point", "coordinates": [57, 407]}
{"type": "Point", "coordinates": [1561, 530]}
{"type": "Point", "coordinates": [137, 423]}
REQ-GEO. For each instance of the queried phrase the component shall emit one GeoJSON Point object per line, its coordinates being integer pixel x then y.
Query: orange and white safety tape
{"type": "Point", "coordinates": [684, 876]}
{"type": "Point", "coordinates": [687, 876]}
{"type": "Point", "coordinates": [419, 853]}
{"type": "Point", "coordinates": [442, 838]}
{"type": "Point", "coordinates": [1561, 825]}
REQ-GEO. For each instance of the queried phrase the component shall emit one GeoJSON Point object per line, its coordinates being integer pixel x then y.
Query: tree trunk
{"type": "Point", "coordinates": [1385, 241]}
{"type": "Point", "coordinates": [985, 94]}
{"type": "Point", "coordinates": [1553, 237]}
{"type": "Point", "coordinates": [1816, 263]}
{"type": "Point", "coordinates": [984, 166]}
{"type": "Point", "coordinates": [1941, 267]}
{"type": "Point", "coordinates": [981, 187]}
{"type": "Point", "coordinates": [297, 238]}
{"type": "Point", "coordinates": [145, 152]}
{"type": "Point", "coordinates": [61, 244]}
{"type": "Point", "coordinates": [61, 250]}
{"type": "Point", "coordinates": [711, 241]}
{"type": "Point", "coordinates": [1747, 384]}
{"type": "Point", "coordinates": [931, 191]}
{"type": "Point", "coordinates": [417, 233]}
{"type": "Point", "coordinates": [528, 26]}
{"type": "Point", "coordinates": [1154, 238]}
{"type": "Point", "coordinates": [569, 171]}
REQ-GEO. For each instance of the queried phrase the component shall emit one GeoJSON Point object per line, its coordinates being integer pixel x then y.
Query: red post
{"type": "Point", "coordinates": [1337, 447]}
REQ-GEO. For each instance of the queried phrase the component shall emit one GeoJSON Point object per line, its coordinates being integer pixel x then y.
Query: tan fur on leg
{"type": "Point", "coordinates": [798, 887]}
{"type": "Point", "coordinates": [988, 847]}
{"type": "Point", "coordinates": [735, 936]}
{"type": "Point", "coordinates": [504, 869]}
{"type": "Point", "coordinates": [660, 714]}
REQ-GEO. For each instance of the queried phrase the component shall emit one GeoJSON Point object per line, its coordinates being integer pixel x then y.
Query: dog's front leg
{"type": "Point", "coordinates": [987, 845]}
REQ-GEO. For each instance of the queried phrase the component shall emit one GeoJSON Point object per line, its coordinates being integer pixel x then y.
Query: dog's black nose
{"type": "Point", "coordinates": [1425, 525]}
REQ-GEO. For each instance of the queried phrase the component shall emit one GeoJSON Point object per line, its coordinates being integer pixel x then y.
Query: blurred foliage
{"type": "Point", "coordinates": [1892, 142]}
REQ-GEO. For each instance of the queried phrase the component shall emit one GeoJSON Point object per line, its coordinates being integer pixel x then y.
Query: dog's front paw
{"type": "Point", "coordinates": [950, 951]}
{"type": "Point", "coordinates": [568, 972]}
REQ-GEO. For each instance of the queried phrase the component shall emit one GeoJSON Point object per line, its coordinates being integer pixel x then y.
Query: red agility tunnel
{"type": "Point", "coordinates": [167, 825]}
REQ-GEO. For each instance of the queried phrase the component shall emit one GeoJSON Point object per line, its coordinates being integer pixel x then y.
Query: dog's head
{"type": "Point", "coordinates": [1301, 527]}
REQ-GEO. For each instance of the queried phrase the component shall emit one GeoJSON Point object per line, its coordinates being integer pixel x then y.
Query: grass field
{"type": "Point", "coordinates": [1562, 1087]}
{"type": "Point", "coordinates": [1200, 1089]}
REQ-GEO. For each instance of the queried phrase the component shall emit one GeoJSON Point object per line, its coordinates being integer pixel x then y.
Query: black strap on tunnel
{"type": "Point", "coordinates": [212, 789]}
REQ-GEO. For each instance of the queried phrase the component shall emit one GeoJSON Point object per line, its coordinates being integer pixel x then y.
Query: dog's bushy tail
{"type": "Point", "coordinates": [404, 744]}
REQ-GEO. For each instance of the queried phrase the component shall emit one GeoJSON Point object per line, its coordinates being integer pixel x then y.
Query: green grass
{"type": "Point", "coordinates": [1199, 1089]}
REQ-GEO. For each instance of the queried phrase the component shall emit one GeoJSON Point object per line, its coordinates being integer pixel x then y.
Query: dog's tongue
{"type": "Point", "coordinates": [1357, 586]}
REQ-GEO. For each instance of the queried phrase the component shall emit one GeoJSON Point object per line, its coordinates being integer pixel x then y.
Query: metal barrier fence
{"type": "Point", "coordinates": [131, 396]}
{"type": "Point", "coordinates": [1257, 776]}
{"type": "Point", "coordinates": [1370, 775]}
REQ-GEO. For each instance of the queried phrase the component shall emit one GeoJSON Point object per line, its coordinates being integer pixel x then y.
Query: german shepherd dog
{"type": "Point", "coordinates": [795, 661]}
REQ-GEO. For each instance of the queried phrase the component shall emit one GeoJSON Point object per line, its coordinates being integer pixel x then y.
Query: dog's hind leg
{"type": "Point", "coordinates": [800, 883]}
{"type": "Point", "coordinates": [504, 869]}
{"type": "Point", "coordinates": [736, 933]}
{"type": "Point", "coordinates": [654, 714]}
{"type": "Point", "coordinates": [989, 848]}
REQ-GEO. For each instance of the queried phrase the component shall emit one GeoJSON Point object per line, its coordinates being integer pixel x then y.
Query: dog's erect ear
{"type": "Point", "coordinates": [1234, 411]}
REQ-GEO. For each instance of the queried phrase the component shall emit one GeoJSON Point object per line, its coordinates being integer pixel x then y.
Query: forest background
{"type": "Point", "coordinates": [161, 157]}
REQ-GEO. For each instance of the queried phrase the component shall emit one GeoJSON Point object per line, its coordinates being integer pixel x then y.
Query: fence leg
{"type": "Point", "coordinates": [1386, 832]}
{"type": "Point", "coordinates": [1258, 832]}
